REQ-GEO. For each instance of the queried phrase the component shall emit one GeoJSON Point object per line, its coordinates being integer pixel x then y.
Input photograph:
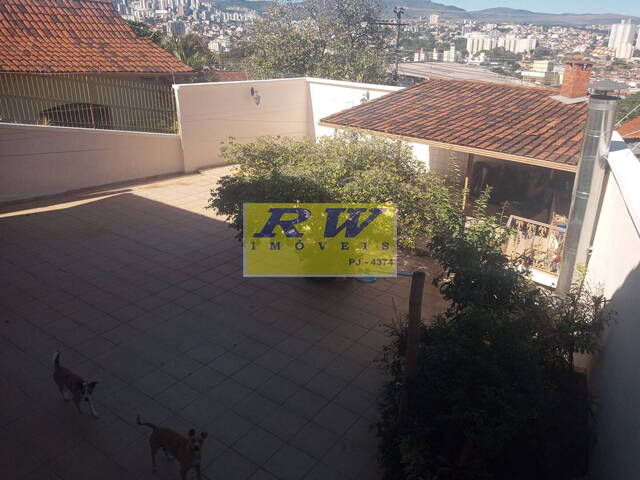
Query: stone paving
{"type": "Point", "coordinates": [141, 288]}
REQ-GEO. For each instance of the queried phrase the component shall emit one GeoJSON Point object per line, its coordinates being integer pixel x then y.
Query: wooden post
{"type": "Point", "coordinates": [552, 207]}
{"type": "Point", "coordinates": [413, 336]}
{"type": "Point", "coordinates": [467, 180]}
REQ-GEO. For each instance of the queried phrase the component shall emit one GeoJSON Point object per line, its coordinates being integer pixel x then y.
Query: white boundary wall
{"type": "Point", "coordinates": [42, 160]}
{"type": "Point", "coordinates": [327, 97]}
{"type": "Point", "coordinates": [210, 113]}
{"type": "Point", "coordinates": [615, 266]}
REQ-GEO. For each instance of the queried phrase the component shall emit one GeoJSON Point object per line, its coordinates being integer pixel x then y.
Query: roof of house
{"type": "Point", "coordinates": [75, 36]}
{"type": "Point", "coordinates": [523, 122]}
{"type": "Point", "coordinates": [630, 130]}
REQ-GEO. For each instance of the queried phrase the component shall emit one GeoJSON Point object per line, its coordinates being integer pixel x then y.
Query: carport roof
{"type": "Point", "coordinates": [515, 123]}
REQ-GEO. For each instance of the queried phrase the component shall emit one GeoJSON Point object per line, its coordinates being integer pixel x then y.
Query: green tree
{"type": "Point", "coordinates": [629, 108]}
{"type": "Point", "coordinates": [495, 395]}
{"type": "Point", "coordinates": [542, 53]}
{"type": "Point", "coordinates": [500, 53]}
{"type": "Point", "coordinates": [143, 30]}
{"type": "Point", "coordinates": [343, 168]}
{"type": "Point", "coordinates": [328, 38]}
{"type": "Point", "coordinates": [461, 45]}
{"type": "Point", "coordinates": [413, 42]}
{"type": "Point", "coordinates": [189, 49]}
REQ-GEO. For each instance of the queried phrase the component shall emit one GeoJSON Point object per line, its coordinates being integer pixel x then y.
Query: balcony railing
{"type": "Point", "coordinates": [535, 244]}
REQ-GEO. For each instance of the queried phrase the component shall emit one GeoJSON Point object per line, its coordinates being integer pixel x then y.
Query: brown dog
{"type": "Point", "coordinates": [186, 449]}
{"type": "Point", "coordinates": [72, 386]}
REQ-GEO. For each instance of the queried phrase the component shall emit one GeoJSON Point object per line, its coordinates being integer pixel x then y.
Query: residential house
{"type": "Point", "coordinates": [522, 141]}
{"type": "Point", "coordinates": [166, 231]}
{"type": "Point", "coordinates": [77, 63]}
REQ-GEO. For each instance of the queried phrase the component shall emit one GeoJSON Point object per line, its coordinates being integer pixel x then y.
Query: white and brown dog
{"type": "Point", "coordinates": [186, 450]}
{"type": "Point", "coordinates": [72, 386]}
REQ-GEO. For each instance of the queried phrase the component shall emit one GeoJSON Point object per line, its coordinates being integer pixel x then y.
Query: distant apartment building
{"type": "Point", "coordinates": [467, 29]}
{"type": "Point", "coordinates": [419, 56]}
{"type": "Point", "coordinates": [477, 42]}
{"type": "Point", "coordinates": [433, 19]}
{"type": "Point", "coordinates": [622, 38]}
{"type": "Point", "coordinates": [447, 55]}
{"type": "Point", "coordinates": [543, 72]}
{"type": "Point", "coordinates": [220, 44]}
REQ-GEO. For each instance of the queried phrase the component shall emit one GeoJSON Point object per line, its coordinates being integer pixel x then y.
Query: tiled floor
{"type": "Point", "coordinates": [141, 289]}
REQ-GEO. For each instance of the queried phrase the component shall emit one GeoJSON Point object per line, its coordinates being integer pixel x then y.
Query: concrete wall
{"type": "Point", "coordinates": [615, 266]}
{"type": "Point", "coordinates": [327, 97]}
{"type": "Point", "coordinates": [43, 160]}
{"type": "Point", "coordinates": [210, 113]}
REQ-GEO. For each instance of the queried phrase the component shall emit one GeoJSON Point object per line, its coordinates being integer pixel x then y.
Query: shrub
{"type": "Point", "coordinates": [345, 167]}
{"type": "Point", "coordinates": [495, 395]}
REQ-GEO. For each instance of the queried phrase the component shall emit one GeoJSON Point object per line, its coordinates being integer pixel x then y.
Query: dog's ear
{"type": "Point", "coordinates": [91, 386]}
{"type": "Point", "coordinates": [191, 433]}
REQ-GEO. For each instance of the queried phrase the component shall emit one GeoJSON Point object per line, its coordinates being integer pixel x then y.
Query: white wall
{"type": "Point", "coordinates": [43, 160]}
{"type": "Point", "coordinates": [210, 113]}
{"type": "Point", "coordinates": [615, 266]}
{"type": "Point", "coordinates": [327, 97]}
{"type": "Point", "coordinates": [330, 96]}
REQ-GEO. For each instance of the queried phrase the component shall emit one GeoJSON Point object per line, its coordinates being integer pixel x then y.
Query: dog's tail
{"type": "Point", "coordinates": [145, 424]}
{"type": "Point", "coordinates": [56, 359]}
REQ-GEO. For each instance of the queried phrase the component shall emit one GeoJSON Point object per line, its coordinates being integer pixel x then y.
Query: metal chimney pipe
{"type": "Point", "coordinates": [587, 188]}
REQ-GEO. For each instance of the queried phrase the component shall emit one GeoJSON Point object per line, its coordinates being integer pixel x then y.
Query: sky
{"type": "Point", "coordinates": [627, 7]}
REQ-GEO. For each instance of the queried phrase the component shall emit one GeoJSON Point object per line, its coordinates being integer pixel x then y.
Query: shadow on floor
{"type": "Point", "coordinates": [149, 299]}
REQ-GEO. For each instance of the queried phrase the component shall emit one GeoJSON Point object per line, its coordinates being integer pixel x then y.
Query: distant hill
{"type": "Point", "coordinates": [421, 8]}
{"type": "Point", "coordinates": [509, 15]}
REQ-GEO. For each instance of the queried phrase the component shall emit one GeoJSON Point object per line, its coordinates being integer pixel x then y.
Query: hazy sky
{"type": "Point", "coordinates": [628, 7]}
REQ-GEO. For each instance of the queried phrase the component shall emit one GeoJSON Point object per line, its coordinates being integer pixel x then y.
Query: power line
{"type": "Point", "coordinates": [625, 117]}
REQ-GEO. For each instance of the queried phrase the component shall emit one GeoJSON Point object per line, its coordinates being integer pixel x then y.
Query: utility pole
{"type": "Point", "coordinates": [398, 11]}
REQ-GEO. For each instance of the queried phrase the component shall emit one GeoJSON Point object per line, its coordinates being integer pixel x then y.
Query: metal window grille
{"type": "Point", "coordinates": [144, 104]}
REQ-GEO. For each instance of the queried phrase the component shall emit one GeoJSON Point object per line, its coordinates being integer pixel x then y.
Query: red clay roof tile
{"type": "Point", "coordinates": [630, 130]}
{"type": "Point", "coordinates": [35, 36]}
{"type": "Point", "coordinates": [523, 121]}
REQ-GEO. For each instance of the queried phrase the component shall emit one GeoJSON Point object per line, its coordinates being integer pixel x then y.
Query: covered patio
{"type": "Point", "coordinates": [140, 288]}
{"type": "Point", "coordinates": [522, 142]}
